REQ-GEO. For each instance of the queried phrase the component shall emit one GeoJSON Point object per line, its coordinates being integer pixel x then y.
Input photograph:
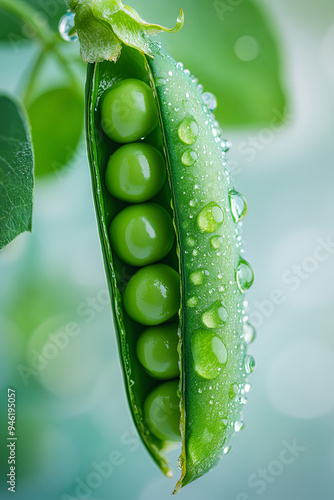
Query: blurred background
{"type": "Point", "coordinates": [271, 66]}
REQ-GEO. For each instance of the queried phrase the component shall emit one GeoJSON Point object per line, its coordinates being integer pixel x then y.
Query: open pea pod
{"type": "Point", "coordinates": [206, 211]}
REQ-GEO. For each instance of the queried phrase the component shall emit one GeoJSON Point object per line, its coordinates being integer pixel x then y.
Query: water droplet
{"type": "Point", "coordinates": [238, 425]}
{"type": "Point", "coordinates": [186, 72]}
{"type": "Point", "coordinates": [66, 28]}
{"type": "Point", "coordinates": [234, 391]}
{"type": "Point", "coordinates": [193, 203]}
{"type": "Point", "coordinates": [200, 88]}
{"type": "Point", "coordinates": [197, 277]}
{"type": "Point", "coordinates": [249, 333]}
{"type": "Point", "coordinates": [224, 420]}
{"type": "Point", "coordinates": [243, 400]}
{"type": "Point", "coordinates": [209, 100]}
{"type": "Point", "coordinates": [216, 242]}
{"type": "Point", "coordinates": [247, 388]}
{"type": "Point", "coordinates": [238, 205]}
{"type": "Point", "coordinates": [170, 73]}
{"type": "Point", "coordinates": [215, 316]}
{"type": "Point", "coordinates": [225, 145]}
{"type": "Point", "coordinates": [226, 450]}
{"type": "Point", "coordinates": [210, 217]}
{"type": "Point", "coordinates": [209, 353]}
{"type": "Point", "coordinates": [217, 128]}
{"type": "Point", "coordinates": [188, 130]}
{"type": "Point", "coordinates": [190, 241]}
{"type": "Point", "coordinates": [179, 65]}
{"type": "Point", "coordinates": [218, 347]}
{"type": "Point", "coordinates": [189, 157]}
{"type": "Point", "coordinates": [160, 82]}
{"type": "Point", "coordinates": [249, 364]}
{"type": "Point", "coordinates": [244, 276]}
{"type": "Point", "coordinates": [192, 302]}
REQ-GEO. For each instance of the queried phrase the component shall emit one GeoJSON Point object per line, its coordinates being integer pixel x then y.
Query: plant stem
{"type": "Point", "coordinates": [66, 66]}
{"type": "Point", "coordinates": [33, 75]}
{"type": "Point", "coordinates": [31, 17]}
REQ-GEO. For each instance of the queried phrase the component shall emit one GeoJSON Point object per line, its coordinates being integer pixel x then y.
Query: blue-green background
{"type": "Point", "coordinates": [74, 414]}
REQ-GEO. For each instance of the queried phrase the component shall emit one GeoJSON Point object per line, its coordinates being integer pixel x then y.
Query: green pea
{"type": "Point", "coordinates": [142, 234]}
{"type": "Point", "coordinates": [135, 172]}
{"type": "Point", "coordinates": [157, 351]}
{"type": "Point", "coordinates": [128, 111]}
{"type": "Point", "coordinates": [162, 412]}
{"type": "Point", "coordinates": [152, 295]}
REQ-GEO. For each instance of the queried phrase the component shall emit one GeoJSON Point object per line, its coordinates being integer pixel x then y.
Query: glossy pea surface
{"type": "Point", "coordinates": [142, 234]}
{"type": "Point", "coordinates": [128, 111]}
{"type": "Point", "coordinates": [135, 172]}
{"type": "Point", "coordinates": [157, 351]}
{"type": "Point", "coordinates": [152, 295]}
{"type": "Point", "coordinates": [162, 412]}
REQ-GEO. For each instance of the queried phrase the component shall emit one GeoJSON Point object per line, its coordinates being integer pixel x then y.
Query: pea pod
{"type": "Point", "coordinates": [207, 253]}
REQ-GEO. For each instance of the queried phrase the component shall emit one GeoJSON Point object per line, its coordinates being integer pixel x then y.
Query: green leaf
{"type": "Point", "coordinates": [132, 30]}
{"type": "Point", "coordinates": [103, 25]}
{"type": "Point", "coordinates": [97, 41]}
{"type": "Point", "coordinates": [14, 32]}
{"type": "Point", "coordinates": [248, 92]}
{"type": "Point", "coordinates": [16, 172]}
{"type": "Point", "coordinates": [56, 118]}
